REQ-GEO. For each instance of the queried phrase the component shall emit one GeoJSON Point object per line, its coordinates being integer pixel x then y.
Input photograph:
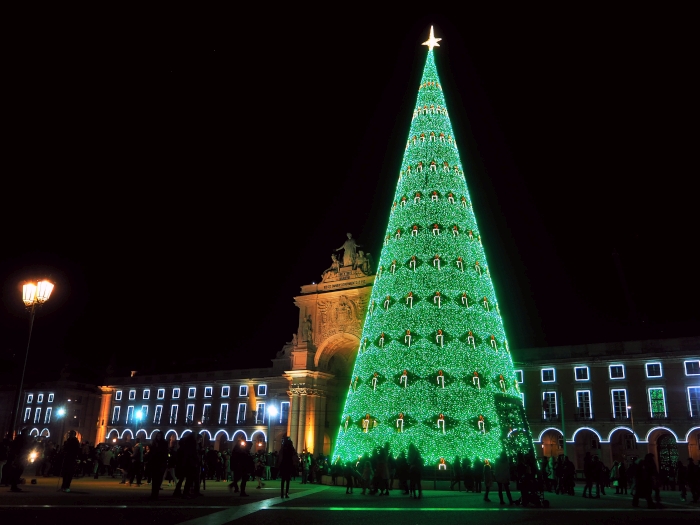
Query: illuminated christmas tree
{"type": "Point", "coordinates": [433, 367]}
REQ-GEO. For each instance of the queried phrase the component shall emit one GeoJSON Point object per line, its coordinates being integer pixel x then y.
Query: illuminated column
{"type": "Point", "coordinates": [103, 420]}
{"type": "Point", "coordinates": [293, 429]}
{"type": "Point", "coordinates": [299, 438]}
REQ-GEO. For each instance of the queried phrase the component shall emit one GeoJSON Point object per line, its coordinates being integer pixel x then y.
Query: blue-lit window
{"type": "Point", "coordinates": [262, 390]}
{"type": "Point", "coordinates": [132, 394]}
{"type": "Point", "coordinates": [118, 395]}
{"type": "Point", "coordinates": [30, 398]}
{"type": "Point", "coordinates": [208, 391]}
{"type": "Point", "coordinates": [240, 416]}
{"type": "Point", "coordinates": [581, 373]}
{"type": "Point", "coordinates": [115, 414]}
{"type": "Point", "coordinates": [519, 376]}
{"type": "Point", "coordinates": [242, 390]}
{"type": "Point", "coordinates": [176, 393]}
{"type": "Point", "coordinates": [692, 368]}
{"type": "Point", "coordinates": [223, 414]}
{"type": "Point", "coordinates": [694, 400]}
{"type": "Point", "coordinates": [617, 372]}
{"type": "Point", "coordinates": [40, 398]}
{"type": "Point", "coordinates": [653, 369]}
{"type": "Point", "coordinates": [147, 394]}
{"type": "Point", "coordinates": [50, 398]}
{"type": "Point", "coordinates": [548, 375]}
{"type": "Point", "coordinates": [47, 417]}
{"type": "Point", "coordinates": [191, 392]}
{"type": "Point", "coordinates": [161, 393]}
{"type": "Point", "coordinates": [225, 391]}
{"type": "Point", "coordinates": [583, 404]}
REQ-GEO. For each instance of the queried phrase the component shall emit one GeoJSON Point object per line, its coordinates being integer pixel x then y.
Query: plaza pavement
{"type": "Point", "coordinates": [106, 502]}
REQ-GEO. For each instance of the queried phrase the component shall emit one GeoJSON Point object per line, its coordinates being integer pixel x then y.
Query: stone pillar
{"type": "Point", "coordinates": [301, 427]}
{"type": "Point", "coordinates": [293, 429]}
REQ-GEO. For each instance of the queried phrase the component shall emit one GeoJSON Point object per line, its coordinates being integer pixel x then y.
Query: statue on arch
{"type": "Point", "coordinates": [349, 248]}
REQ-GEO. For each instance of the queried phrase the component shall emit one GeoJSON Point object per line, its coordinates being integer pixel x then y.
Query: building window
{"type": "Point", "coordinates": [519, 376]}
{"type": "Point", "coordinates": [225, 391]}
{"type": "Point", "coordinates": [37, 416]}
{"type": "Point", "coordinates": [694, 400]}
{"type": "Point", "coordinates": [115, 415]}
{"type": "Point", "coordinates": [143, 416]}
{"type": "Point", "coordinates": [242, 390]}
{"type": "Point", "coordinates": [583, 404]}
{"type": "Point", "coordinates": [549, 405]}
{"type": "Point", "coordinates": [132, 394]}
{"type": "Point", "coordinates": [27, 414]}
{"type": "Point", "coordinates": [189, 416]}
{"type": "Point", "coordinates": [158, 414]}
{"type": "Point", "coordinates": [161, 393]}
{"type": "Point", "coordinates": [653, 369]}
{"type": "Point", "coordinates": [617, 372]}
{"type": "Point", "coordinates": [40, 398]}
{"type": "Point", "coordinates": [129, 414]}
{"type": "Point", "coordinates": [206, 413]}
{"type": "Point", "coordinates": [191, 392]}
{"type": "Point", "coordinates": [548, 375]}
{"type": "Point", "coordinates": [262, 390]}
{"type": "Point", "coordinates": [208, 391]}
{"type": "Point", "coordinates": [240, 416]}
{"type": "Point", "coordinates": [50, 398]}
{"type": "Point", "coordinates": [284, 412]}
{"type": "Point", "coordinates": [581, 373]}
{"type": "Point", "coordinates": [692, 368]}
{"type": "Point", "coordinates": [47, 417]}
{"type": "Point", "coordinates": [118, 395]}
{"type": "Point", "coordinates": [619, 404]}
{"type": "Point", "coordinates": [223, 414]}
{"type": "Point", "coordinates": [657, 403]}
{"type": "Point", "coordinates": [30, 398]}
{"type": "Point", "coordinates": [147, 394]}
{"type": "Point", "coordinates": [173, 414]}
{"type": "Point", "coordinates": [176, 393]}
{"type": "Point", "coordinates": [260, 413]}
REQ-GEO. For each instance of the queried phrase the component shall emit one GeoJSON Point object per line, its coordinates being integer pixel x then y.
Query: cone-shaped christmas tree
{"type": "Point", "coordinates": [433, 367]}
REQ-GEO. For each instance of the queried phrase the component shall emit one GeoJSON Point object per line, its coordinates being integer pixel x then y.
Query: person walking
{"type": "Point", "coordinates": [286, 462]}
{"type": "Point", "coordinates": [615, 477]}
{"type": "Point", "coordinates": [501, 475]}
{"type": "Point", "coordinates": [71, 451]}
{"type": "Point", "coordinates": [488, 479]}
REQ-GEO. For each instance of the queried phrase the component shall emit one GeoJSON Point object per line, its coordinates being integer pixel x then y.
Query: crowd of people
{"type": "Point", "coordinates": [187, 464]}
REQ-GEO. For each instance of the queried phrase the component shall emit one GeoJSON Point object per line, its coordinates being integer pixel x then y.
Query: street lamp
{"type": "Point", "coordinates": [32, 294]}
{"type": "Point", "coordinates": [271, 413]}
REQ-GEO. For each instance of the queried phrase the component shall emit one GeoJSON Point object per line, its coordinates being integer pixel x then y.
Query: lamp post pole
{"type": "Point", "coordinates": [32, 294]}
{"type": "Point", "coordinates": [634, 437]}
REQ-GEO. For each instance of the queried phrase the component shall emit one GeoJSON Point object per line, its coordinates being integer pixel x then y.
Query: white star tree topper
{"type": "Point", "coordinates": [432, 41]}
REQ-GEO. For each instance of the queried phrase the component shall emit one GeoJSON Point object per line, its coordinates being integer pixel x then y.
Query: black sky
{"type": "Point", "coordinates": [180, 183]}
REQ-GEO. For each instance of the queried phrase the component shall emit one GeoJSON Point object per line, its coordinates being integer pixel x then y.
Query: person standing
{"type": "Point", "coordinates": [456, 474]}
{"type": "Point", "coordinates": [4, 454]}
{"type": "Point", "coordinates": [478, 474]}
{"type": "Point", "coordinates": [488, 479]}
{"type": "Point", "coordinates": [158, 462]}
{"type": "Point", "coordinates": [501, 474]}
{"type": "Point", "coordinates": [136, 464]}
{"type": "Point", "coordinates": [71, 451]}
{"type": "Point", "coordinates": [467, 475]}
{"type": "Point", "coordinates": [286, 461]}
{"type": "Point", "coordinates": [693, 479]}
{"type": "Point", "coordinates": [681, 478]}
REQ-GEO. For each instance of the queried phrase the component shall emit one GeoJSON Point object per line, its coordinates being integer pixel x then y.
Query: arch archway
{"type": "Point", "coordinates": [667, 452]}
{"type": "Point", "coordinates": [585, 440]}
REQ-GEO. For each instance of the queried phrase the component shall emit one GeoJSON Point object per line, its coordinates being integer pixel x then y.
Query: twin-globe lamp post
{"type": "Point", "coordinates": [32, 295]}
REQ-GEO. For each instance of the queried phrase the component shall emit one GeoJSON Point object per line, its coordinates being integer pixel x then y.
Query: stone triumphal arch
{"type": "Point", "coordinates": [320, 358]}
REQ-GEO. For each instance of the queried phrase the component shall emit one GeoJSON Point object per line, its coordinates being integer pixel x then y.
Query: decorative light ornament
{"type": "Point", "coordinates": [412, 263]}
{"type": "Point", "coordinates": [404, 379]}
{"type": "Point", "coordinates": [375, 379]}
{"type": "Point", "coordinates": [441, 422]}
{"type": "Point", "coordinates": [432, 41]}
{"type": "Point", "coordinates": [387, 302]}
{"type": "Point", "coordinates": [392, 268]}
{"type": "Point", "coordinates": [481, 424]}
{"type": "Point", "coordinates": [437, 299]}
{"type": "Point", "coordinates": [465, 300]}
{"type": "Point", "coordinates": [441, 379]}
{"type": "Point", "coordinates": [436, 261]}
{"type": "Point", "coordinates": [399, 422]}
{"type": "Point", "coordinates": [365, 424]}
{"type": "Point", "coordinates": [439, 338]}
{"type": "Point", "coordinates": [347, 422]}
{"type": "Point", "coordinates": [407, 338]}
{"type": "Point", "coordinates": [470, 339]}
{"type": "Point", "coordinates": [381, 341]}
{"type": "Point", "coordinates": [475, 380]}
{"type": "Point", "coordinates": [409, 299]}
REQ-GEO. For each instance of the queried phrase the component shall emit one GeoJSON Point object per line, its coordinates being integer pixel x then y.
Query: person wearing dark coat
{"type": "Point", "coordinates": [286, 462]}
{"type": "Point", "coordinates": [71, 450]}
{"type": "Point", "coordinates": [190, 464]}
{"type": "Point", "coordinates": [158, 461]}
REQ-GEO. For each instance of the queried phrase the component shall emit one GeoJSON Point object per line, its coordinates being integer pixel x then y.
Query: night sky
{"type": "Point", "coordinates": [180, 184]}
